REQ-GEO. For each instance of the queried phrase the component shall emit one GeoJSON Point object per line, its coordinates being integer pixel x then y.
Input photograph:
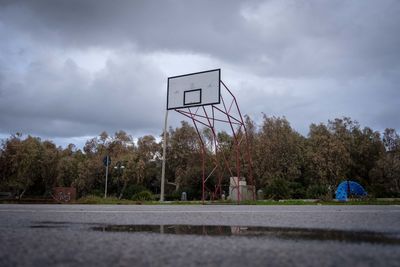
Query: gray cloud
{"type": "Point", "coordinates": [307, 60]}
{"type": "Point", "coordinates": [63, 100]}
{"type": "Point", "coordinates": [284, 38]}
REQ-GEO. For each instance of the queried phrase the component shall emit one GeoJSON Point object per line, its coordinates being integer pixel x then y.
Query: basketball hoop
{"type": "Point", "coordinates": [206, 100]}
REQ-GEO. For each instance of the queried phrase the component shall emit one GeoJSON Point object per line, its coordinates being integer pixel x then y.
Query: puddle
{"type": "Point", "coordinates": [55, 224]}
{"type": "Point", "coordinates": [225, 230]}
{"type": "Point", "coordinates": [47, 226]}
{"type": "Point", "coordinates": [251, 231]}
{"type": "Point", "coordinates": [50, 225]}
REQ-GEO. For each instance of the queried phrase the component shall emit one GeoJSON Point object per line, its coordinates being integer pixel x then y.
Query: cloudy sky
{"type": "Point", "coordinates": [71, 69]}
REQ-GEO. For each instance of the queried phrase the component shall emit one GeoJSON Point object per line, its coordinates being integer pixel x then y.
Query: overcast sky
{"type": "Point", "coordinates": [72, 69]}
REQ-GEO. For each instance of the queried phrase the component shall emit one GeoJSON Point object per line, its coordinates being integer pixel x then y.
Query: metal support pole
{"type": "Point", "coordinates": [164, 157]}
{"type": "Point", "coordinates": [105, 190]}
{"type": "Point", "coordinates": [204, 174]}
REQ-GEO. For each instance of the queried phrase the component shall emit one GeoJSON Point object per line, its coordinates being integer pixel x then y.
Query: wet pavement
{"type": "Point", "coordinates": [253, 231]}
{"type": "Point", "coordinates": [104, 235]}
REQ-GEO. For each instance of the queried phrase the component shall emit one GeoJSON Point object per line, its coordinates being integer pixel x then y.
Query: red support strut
{"type": "Point", "coordinates": [232, 117]}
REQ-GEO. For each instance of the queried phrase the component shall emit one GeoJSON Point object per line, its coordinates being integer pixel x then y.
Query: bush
{"type": "Point", "coordinates": [132, 190]}
{"type": "Point", "coordinates": [173, 196]}
{"type": "Point", "coordinates": [143, 196]}
{"type": "Point", "coordinates": [317, 191]}
{"type": "Point", "coordinates": [297, 190]}
{"type": "Point", "coordinates": [93, 199]}
{"type": "Point", "coordinates": [278, 189]}
{"type": "Point", "coordinates": [379, 191]}
{"type": "Point", "coordinates": [97, 193]}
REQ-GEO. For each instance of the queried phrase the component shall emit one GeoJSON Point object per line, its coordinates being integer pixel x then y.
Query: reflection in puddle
{"type": "Point", "coordinates": [47, 226]}
{"type": "Point", "coordinates": [224, 230]}
{"type": "Point", "coordinates": [57, 224]}
{"type": "Point", "coordinates": [251, 231]}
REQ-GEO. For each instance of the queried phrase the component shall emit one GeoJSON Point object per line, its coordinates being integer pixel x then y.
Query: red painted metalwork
{"type": "Point", "coordinates": [207, 116]}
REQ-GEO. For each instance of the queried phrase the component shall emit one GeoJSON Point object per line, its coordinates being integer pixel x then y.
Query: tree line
{"type": "Point", "coordinates": [285, 163]}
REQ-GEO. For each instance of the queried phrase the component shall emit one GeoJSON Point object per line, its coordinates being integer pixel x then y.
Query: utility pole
{"type": "Point", "coordinates": [106, 162]}
{"type": "Point", "coordinates": [164, 158]}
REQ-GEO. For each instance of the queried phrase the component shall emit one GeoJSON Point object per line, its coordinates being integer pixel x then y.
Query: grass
{"type": "Point", "coordinates": [322, 202]}
{"type": "Point", "coordinates": [108, 200]}
{"type": "Point", "coordinates": [116, 201]}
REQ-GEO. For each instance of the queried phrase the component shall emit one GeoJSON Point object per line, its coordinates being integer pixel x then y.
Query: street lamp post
{"type": "Point", "coordinates": [106, 162]}
{"type": "Point", "coordinates": [119, 168]}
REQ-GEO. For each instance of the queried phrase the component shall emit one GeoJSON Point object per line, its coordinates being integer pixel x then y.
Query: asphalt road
{"type": "Point", "coordinates": [107, 235]}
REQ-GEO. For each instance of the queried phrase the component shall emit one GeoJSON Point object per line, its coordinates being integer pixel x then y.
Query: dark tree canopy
{"type": "Point", "coordinates": [285, 163]}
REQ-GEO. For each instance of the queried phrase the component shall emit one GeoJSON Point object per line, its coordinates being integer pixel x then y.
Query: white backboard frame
{"type": "Point", "coordinates": [194, 89]}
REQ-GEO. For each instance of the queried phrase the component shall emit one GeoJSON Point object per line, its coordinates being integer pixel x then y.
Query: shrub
{"type": "Point", "coordinates": [317, 191]}
{"type": "Point", "coordinates": [297, 190]}
{"type": "Point", "coordinates": [145, 195]}
{"type": "Point", "coordinates": [92, 199]}
{"type": "Point", "coordinates": [132, 190]}
{"type": "Point", "coordinates": [97, 193]}
{"type": "Point", "coordinates": [278, 189]}
{"type": "Point", "coordinates": [173, 196]}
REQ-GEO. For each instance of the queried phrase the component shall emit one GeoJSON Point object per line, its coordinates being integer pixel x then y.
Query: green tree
{"type": "Point", "coordinates": [386, 174]}
{"type": "Point", "coordinates": [278, 152]}
{"type": "Point", "coordinates": [68, 166]}
{"type": "Point", "coordinates": [183, 156]}
{"type": "Point", "coordinates": [328, 158]}
{"type": "Point", "coordinates": [27, 166]}
{"type": "Point", "coordinates": [48, 167]}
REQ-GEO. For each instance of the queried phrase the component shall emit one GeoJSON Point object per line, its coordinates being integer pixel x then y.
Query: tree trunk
{"type": "Point", "coordinates": [177, 185]}
{"type": "Point", "coordinates": [22, 194]}
{"type": "Point", "coordinates": [122, 190]}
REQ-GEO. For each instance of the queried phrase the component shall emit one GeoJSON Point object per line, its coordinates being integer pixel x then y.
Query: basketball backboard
{"type": "Point", "coordinates": [194, 89]}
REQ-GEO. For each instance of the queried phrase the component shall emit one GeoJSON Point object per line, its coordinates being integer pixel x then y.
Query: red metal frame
{"type": "Point", "coordinates": [208, 116]}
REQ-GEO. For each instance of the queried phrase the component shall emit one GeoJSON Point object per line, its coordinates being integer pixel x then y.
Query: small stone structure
{"type": "Point", "coordinates": [239, 186]}
{"type": "Point", "coordinates": [64, 194]}
{"type": "Point", "coordinates": [184, 196]}
{"type": "Point", "coordinates": [260, 194]}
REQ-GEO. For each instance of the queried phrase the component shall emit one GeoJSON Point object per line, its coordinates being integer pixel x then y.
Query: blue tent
{"type": "Point", "coordinates": [347, 188]}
